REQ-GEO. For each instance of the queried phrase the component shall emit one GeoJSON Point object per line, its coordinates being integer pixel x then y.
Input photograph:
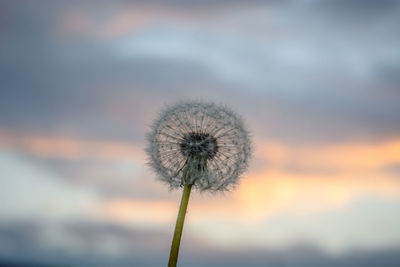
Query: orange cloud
{"type": "Point", "coordinates": [268, 194]}
{"type": "Point", "coordinates": [342, 157]}
{"type": "Point", "coordinates": [272, 192]}
{"type": "Point", "coordinates": [83, 23]}
{"type": "Point", "coordinates": [120, 22]}
{"type": "Point", "coordinates": [261, 196]}
{"type": "Point", "coordinates": [345, 174]}
{"type": "Point", "coordinates": [127, 210]}
{"type": "Point", "coordinates": [69, 148]}
{"type": "Point", "coordinates": [266, 191]}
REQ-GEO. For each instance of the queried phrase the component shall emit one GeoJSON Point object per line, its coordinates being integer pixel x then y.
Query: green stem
{"type": "Point", "coordinates": [173, 256]}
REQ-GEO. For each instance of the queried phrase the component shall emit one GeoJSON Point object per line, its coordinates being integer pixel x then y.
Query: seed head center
{"type": "Point", "coordinates": [199, 145]}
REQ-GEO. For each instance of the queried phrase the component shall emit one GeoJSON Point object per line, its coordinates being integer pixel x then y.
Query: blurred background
{"type": "Point", "coordinates": [317, 82]}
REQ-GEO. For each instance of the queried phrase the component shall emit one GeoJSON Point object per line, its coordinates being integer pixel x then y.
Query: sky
{"type": "Point", "coordinates": [317, 83]}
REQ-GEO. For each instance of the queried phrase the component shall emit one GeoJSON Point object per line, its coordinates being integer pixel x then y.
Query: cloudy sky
{"type": "Point", "coordinates": [317, 82]}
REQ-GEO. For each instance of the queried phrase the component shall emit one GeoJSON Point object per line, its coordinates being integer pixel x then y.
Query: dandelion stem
{"type": "Point", "coordinates": [173, 256]}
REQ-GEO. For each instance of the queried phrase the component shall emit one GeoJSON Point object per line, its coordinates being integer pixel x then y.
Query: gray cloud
{"type": "Point", "coordinates": [19, 236]}
{"type": "Point", "coordinates": [392, 169]}
{"type": "Point", "coordinates": [104, 244]}
{"type": "Point", "coordinates": [80, 87]}
{"type": "Point", "coordinates": [83, 244]}
{"type": "Point", "coordinates": [357, 5]}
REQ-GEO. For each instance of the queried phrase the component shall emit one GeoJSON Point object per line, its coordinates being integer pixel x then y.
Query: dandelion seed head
{"type": "Point", "coordinates": [199, 143]}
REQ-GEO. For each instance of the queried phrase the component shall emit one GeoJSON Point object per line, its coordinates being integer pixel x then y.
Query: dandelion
{"type": "Point", "coordinates": [200, 145]}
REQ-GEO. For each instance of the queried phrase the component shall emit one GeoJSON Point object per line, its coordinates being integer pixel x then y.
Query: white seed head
{"type": "Point", "coordinates": [199, 143]}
